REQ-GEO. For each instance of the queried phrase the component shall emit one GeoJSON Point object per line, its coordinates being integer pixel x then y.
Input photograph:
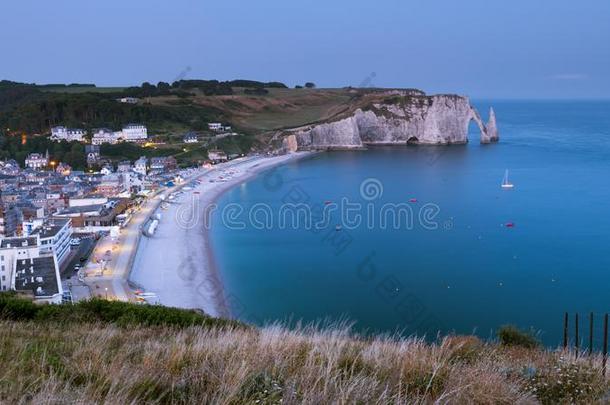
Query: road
{"type": "Point", "coordinates": [108, 269]}
{"type": "Point", "coordinates": [83, 250]}
{"type": "Point", "coordinates": [109, 265]}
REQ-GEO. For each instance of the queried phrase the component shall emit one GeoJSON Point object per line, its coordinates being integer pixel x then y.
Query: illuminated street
{"type": "Point", "coordinates": [107, 270]}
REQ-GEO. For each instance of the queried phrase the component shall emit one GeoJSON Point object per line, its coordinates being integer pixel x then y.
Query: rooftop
{"type": "Point", "coordinates": [37, 275]}
{"type": "Point", "coordinates": [82, 209]}
{"type": "Point", "coordinates": [18, 242]}
{"type": "Point", "coordinates": [52, 228]}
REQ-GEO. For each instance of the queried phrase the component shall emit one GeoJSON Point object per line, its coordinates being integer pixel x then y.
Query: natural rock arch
{"type": "Point", "coordinates": [489, 132]}
{"type": "Point", "coordinates": [430, 120]}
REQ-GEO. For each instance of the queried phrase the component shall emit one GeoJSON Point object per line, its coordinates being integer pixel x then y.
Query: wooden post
{"type": "Point", "coordinates": [605, 345]}
{"type": "Point", "coordinates": [590, 334]}
{"type": "Point", "coordinates": [565, 331]}
{"type": "Point", "coordinates": [576, 337]}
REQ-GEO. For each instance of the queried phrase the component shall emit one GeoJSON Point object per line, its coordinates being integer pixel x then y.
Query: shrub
{"type": "Point", "coordinates": [97, 310]}
{"type": "Point", "coordinates": [425, 381]}
{"type": "Point", "coordinates": [463, 348]}
{"type": "Point", "coordinates": [563, 382]}
{"type": "Point", "coordinates": [510, 335]}
{"type": "Point", "coordinates": [256, 92]}
{"type": "Point", "coordinates": [16, 309]}
{"type": "Point", "coordinates": [262, 388]}
{"type": "Point", "coordinates": [351, 363]}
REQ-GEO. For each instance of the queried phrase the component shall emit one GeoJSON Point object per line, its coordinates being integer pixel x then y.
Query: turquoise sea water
{"type": "Point", "coordinates": [472, 273]}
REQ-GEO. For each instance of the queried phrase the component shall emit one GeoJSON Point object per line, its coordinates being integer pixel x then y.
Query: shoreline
{"type": "Point", "coordinates": [178, 263]}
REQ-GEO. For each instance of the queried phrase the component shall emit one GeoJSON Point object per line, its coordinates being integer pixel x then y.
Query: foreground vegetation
{"type": "Point", "coordinates": [119, 313]}
{"type": "Point", "coordinates": [102, 352]}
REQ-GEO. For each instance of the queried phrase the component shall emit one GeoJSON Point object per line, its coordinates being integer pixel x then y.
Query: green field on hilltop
{"type": "Point", "coordinates": [76, 90]}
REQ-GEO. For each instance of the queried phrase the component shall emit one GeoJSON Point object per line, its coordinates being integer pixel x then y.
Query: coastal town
{"type": "Point", "coordinates": [69, 235]}
{"type": "Point", "coordinates": [314, 202]}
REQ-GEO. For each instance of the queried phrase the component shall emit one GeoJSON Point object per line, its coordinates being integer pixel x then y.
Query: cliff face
{"type": "Point", "coordinates": [400, 119]}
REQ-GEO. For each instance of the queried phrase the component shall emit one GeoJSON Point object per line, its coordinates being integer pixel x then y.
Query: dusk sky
{"type": "Point", "coordinates": [481, 48]}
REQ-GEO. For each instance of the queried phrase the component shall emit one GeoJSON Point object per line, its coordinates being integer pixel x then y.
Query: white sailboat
{"type": "Point", "coordinates": [505, 182]}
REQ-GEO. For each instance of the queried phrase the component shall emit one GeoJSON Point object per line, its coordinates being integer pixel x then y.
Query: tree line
{"type": "Point", "coordinates": [27, 108]}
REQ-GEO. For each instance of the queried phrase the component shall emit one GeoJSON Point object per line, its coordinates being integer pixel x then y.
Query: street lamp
{"type": "Point", "coordinates": [106, 292]}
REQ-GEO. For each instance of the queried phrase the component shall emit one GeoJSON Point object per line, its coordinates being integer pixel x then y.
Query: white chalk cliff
{"type": "Point", "coordinates": [397, 119]}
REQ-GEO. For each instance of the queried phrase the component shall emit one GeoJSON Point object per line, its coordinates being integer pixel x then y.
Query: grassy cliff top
{"type": "Point", "coordinates": [186, 105]}
{"type": "Point", "coordinates": [102, 352]}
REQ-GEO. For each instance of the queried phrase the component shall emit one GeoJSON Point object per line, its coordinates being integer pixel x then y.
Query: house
{"type": "Point", "coordinates": [111, 185]}
{"type": "Point", "coordinates": [190, 137]}
{"type": "Point", "coordinates": [132, 181]}
{"type": "Point", "coordinates": [141, 165]}
{"type": "Point", "coordinates": [105, 135]}
{"type": "Point", "coordinates": [96, 215]}
{"type": "Point", "coordinates": [171, 163]}
{"type": "Point", "coordinates": [63, 169]}
{"type": "Point", "coordinates": [215, 126]}
{"type": "Point", "coordinates": [163, 164]}
{"type": "Point", "coordinates": [128, 100]}
{"type": "Point", "coordinates": [54, 202]}
{"type": "Point", "coordinates": [134, 132]}
{"type": "Point", "coordinates": [157, 164]}
{"type": "Point", "coordinates": [10, 220]}
{"type": "Point", "coordinates": [107, 169]}
{"type": "Point", "coordinates": [28, 213]}
{"type": "Point", "coordinates": [10, 168]}
{"type": "Point", "coordinates": [93, 154]}
{"type": "Point", "coordinates": [124, 166]}
{"type": "Point", "coordinates": [37, 161]}
{"type": "Point", "coordinates": [67, 134]}
{"type": "Point", "coordinates": [129, 133]}
{"type": "Point", "coordinates": [216, 155]}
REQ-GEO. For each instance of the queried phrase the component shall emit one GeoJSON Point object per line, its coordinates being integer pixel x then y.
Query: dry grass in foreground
{"type": "Point", "coordinates": [50, 362]}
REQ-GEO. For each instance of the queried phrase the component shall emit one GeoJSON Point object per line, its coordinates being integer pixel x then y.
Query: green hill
{"type": "Point", "coordinates": [253, 108]}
